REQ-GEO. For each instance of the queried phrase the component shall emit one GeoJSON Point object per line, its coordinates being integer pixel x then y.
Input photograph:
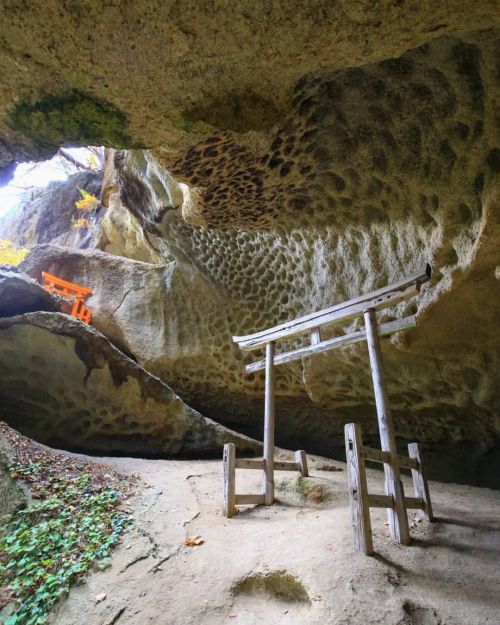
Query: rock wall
{"type": "Point", "coordinates": [47, 214]}
{"type": "Point", "coordinates": [163, 73]}
{"type": "Point", "coordinates": [298, 159]}
{"type": "Point", "coordinates": [375, 171]}
{"type": "Point", "coordinates": [66, 385]}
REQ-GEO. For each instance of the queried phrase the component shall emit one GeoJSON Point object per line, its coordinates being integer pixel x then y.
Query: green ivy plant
{"type": "Point", "coordinates": [51, 544]}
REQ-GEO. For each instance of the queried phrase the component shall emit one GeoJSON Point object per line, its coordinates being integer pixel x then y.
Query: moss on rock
{"type": "Point", "coordinates": [12, 497]}
{"type": "Point", "coordinates": [311, 490]}
{"type": "Point", "coordinates": [72, 118]}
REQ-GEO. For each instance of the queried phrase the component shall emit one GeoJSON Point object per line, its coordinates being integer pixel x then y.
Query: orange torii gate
{"type": "Point", "coordinates": [78, 294]}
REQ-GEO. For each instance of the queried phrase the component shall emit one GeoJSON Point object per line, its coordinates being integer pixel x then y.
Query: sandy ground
{"type": "Point", "coordinates": [292, 563]}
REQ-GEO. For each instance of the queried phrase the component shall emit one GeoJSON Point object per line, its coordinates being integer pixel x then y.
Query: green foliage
{"type": "Point", "coordinates": [72, 118]}
{"type": "Point", "coordinates": [52, 543]}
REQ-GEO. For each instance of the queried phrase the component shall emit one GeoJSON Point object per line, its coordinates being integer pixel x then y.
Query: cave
{"type": "Point", "coordinates": [260, 162]}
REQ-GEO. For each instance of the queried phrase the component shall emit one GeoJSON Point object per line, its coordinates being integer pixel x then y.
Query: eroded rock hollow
{"type": "Point", "coordinates": [275, 192]}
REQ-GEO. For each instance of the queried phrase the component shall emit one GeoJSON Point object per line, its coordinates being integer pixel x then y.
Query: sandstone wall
{"type": "Point", "coordinates": [64, 384]}
{"type": "Point", "coordinates": [165, 72]}
{"type": "Point", "coordinates": [298, 159]}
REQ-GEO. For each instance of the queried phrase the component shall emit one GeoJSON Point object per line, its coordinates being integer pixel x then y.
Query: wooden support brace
{"type": "Point", "coordinates": [229, 478]}
{"type": "Point", "coordinates": [375, 455]}
{"type": "Point", "coordinates": [380, 501]}
{"type": "Point", "coordinates": [247, 463]}
{"type": "Point", "coordinates": [389, 295]}
{"type": "Point", "coordinates": [358, 491]}
{"type": "Point", "coordinates": [407, 463]}
{"type": "Point", "coordinates": [414, 502]}
{"type": "Point", "coordinates": [420, 485]}
{"type": "Point", "coordinates": [243, 500]}
{"type": "Point", "coordinates": [285, 465]}
{"type": "Point", "coordinates": [387, 501]}
{"type": "Point", "coordinates": [301, 462]}
{"type": "Point", "coordinates": [385, 329]}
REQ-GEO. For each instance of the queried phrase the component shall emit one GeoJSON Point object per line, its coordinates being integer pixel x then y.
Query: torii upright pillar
{"type": "Point", "coordinates": [268, 486]}
{"type": "Point", "coordinates": [397, 517]}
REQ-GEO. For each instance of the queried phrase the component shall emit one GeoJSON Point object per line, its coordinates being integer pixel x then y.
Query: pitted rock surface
{"type": "Point", "coordinates": [196, 67]}
{"type": "Point", "coordinates": [68, 386]}
{"type": "Point", "coordinates": [407, 137]}
{"type": "Point", "coordinates": [298, 159]}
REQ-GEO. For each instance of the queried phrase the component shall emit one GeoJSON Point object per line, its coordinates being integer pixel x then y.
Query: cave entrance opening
{"type": "Point", "coordinates": [366, 307]}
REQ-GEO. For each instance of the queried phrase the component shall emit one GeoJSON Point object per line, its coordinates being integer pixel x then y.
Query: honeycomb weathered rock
{"type": "Point", "coordinates": [299, 160]}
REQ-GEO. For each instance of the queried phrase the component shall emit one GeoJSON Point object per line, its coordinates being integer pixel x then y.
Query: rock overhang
{"type": "Point", "coordinates": [366, 160]}
{"type": "Point", "coordinates": [169, 74]}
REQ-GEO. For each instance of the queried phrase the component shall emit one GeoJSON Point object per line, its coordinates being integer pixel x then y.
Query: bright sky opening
{"type": "Point", "coordinates": [36, 175]}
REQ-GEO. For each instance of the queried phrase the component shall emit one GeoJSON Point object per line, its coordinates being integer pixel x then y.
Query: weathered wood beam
{"type": "Point", "coordinates": [228, 462]}
{"type": "Point", "coordinates": [399, 325]}
{"type": "Point", "coordinates": [420, 485]}
{"type": "Point", "coordinates": [268, 485]}
{"type": "Point", "coordinates": [358, 491]}
{"type": "Point", "coordinates": [287, 465]}
{"type": "Point", "coordinates": [375, 455]}
{"type": "Point", "coordinates": [387, 501]}
{"type": "Point", "coordinates": [301, 462]}
{"type": "Point", "coordinates": [243, 500]}
{"type": "Point", "coordinates": [380, 501]}
{"type": "Point", "coordinates": [247, 463]}
{"type": "Point", "coordinates": [407, 463]}
{"type": "Point", "coordinates": [414, 502]}
{"type": "Point", "coordinates": [397, 517]}
{"type": "Point", "coordinates": [381, 298]}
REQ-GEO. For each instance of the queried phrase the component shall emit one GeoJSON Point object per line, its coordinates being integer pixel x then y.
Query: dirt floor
{"type": "Point", "coordinates": [292, 563]}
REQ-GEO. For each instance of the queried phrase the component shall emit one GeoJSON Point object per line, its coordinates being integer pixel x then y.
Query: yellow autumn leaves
{"type": "Point", "coordinates": [10, 255]}
{"type": "Point", "coordinates": [88, 203]}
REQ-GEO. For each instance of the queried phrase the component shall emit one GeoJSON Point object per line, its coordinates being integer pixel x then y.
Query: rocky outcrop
{"type": "Point", "coordinates": [66, 385]}
{"type": "Point", "coordinates": [20, 294]}
{"type": "Point", "coordinates": [66, 69]}
{"type": "Point", "coordinates": [48, 214]}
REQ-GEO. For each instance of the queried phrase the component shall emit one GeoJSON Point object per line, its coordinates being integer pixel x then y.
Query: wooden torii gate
{"type": "Point", "coordinates": [364, 306]}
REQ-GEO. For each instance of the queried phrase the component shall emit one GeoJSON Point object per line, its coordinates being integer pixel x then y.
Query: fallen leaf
{"type": "Point", "coordinates": [101, 597]}
{"type": "Point", "coordinates": [194, 541]}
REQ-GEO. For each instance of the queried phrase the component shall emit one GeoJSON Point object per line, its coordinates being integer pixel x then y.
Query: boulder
{"type": "Point", "coordinates": [20, 294]}
{"type": "Point", "coordinates": [66, 385]}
